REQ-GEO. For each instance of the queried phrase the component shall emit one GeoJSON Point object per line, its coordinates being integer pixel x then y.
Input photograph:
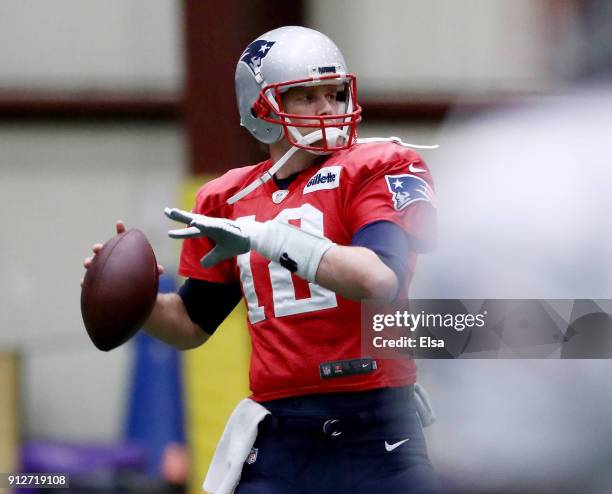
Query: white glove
{"type": "Point", "coordinates": [298, 251]}
{"type": "Point", "coordinates": [230, 239]}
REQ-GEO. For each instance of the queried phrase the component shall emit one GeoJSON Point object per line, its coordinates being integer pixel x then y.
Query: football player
{"type": "Point", "coordinates": [327, 221]}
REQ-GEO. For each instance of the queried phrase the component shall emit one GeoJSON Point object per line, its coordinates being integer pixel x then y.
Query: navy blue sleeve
{"type": "Point", "coordinates": [208, 303]}
{"type": "Point", "coordinates": [390, 243]}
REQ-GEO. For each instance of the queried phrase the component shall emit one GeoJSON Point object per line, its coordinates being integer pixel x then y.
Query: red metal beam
{"type": "Point", "coordinates": [35, 106]}
{"type": "Point", "coordinates": [89, 105]}
{"type": "Point", "coordinates": [430, 107]}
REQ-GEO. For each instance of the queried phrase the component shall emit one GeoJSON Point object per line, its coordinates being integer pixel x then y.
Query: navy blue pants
{"type": "Point", "coordinates": [369, 442]}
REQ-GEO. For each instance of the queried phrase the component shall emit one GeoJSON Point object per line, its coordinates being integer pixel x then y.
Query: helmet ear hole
{"type": "Point", "coordinates": [259, 110]}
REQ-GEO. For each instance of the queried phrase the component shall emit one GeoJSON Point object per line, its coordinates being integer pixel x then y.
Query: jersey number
{"type": "Point", "coordinates": [284, 299]}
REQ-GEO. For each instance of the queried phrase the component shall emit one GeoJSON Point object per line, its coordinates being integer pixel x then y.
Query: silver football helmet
{"type": "Point", "coordinates": [284, 58]}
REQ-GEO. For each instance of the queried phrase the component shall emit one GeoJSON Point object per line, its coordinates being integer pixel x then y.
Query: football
{"type": "Point", "coordinates": [119, 289]}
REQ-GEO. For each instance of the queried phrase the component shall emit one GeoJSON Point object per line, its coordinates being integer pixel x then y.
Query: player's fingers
{"type": "Point", "coordinates": [190, 232]}
{"type": "Point", "coordinates": [96, 248]}
{"type": "Point", "coordinates": [87, 262]}
{"type": "Point", "coordinates": [214, 257]}
{"type": "Point", "coordinates": [82, 281]}
{"type": "Point", "coordinates": [160, 269]}
{"type": "Point", "coordinates": [120, 227]}
{"type": "Point", "coordinates": [179, 215]}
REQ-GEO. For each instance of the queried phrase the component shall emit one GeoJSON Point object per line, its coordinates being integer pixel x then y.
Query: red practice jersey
{"type": "Point", "coordinates": [295, 325]}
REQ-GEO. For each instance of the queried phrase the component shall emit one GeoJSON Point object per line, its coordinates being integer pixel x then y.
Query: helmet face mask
{"type": "Point", "coordinates": [283, 59]}
{"type": "Point", "coordinates": [269, 108]}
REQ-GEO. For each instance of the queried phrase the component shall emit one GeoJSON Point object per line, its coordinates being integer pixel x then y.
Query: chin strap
{"type": "Point", "coordinates": [331, 134]}
{"type": "Point", "coordinates": [267, 175]}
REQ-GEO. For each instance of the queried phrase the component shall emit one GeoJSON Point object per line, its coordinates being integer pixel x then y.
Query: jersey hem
{"type": "Point", "coordinates": [308, 390]}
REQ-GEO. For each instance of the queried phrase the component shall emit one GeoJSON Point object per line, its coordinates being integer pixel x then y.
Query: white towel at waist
{"type": "Point", "coordinates": [235, 445]}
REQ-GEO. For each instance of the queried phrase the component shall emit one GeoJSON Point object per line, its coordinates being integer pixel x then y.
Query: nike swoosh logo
{"type": "Point", "coordinates": [415, 169]}
{"type": "Point", "coordinates": [391, 447]}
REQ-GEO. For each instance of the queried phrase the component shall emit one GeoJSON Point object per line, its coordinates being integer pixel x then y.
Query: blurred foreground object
{"type": "Point", "coordinates": [524, 202]}
{"type": "Point", "coordinates": [524, 205]}
{"type": "Point", "coordinates": [523, 210]}
{"type": "Point", "coordinates": [119, 289]}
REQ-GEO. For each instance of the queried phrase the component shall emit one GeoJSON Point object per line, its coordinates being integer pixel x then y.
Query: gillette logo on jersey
{"type": "Point", "coordinates": [255, 53]}
{"type": "Point", "coordinates": [406, 189]}
{"type": "Point", "coordinates": [327, 177]}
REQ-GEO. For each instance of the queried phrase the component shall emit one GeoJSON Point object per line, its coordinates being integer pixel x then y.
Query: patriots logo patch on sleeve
{"type": "Point", "coordinates": [255, 53]}
{"type": "Point", "coordinates": [406, 189]}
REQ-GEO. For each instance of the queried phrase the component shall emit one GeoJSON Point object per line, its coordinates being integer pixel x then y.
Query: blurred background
{"type": "Point", "coordinates": [115, 109]}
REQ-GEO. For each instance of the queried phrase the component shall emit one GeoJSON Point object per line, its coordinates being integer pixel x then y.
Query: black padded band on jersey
{"type": "Point", "coordinates": [344, 368]}
{"type": "Point", "coordinates": [208, 303]}
{"type": "Point", "coordinates": [390, 243]}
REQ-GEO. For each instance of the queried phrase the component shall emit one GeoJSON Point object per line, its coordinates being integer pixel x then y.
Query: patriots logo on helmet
{"type": "Point", "coordinates": [406, 189]}
{"type": "Point", "coordinates": [255, 53]}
